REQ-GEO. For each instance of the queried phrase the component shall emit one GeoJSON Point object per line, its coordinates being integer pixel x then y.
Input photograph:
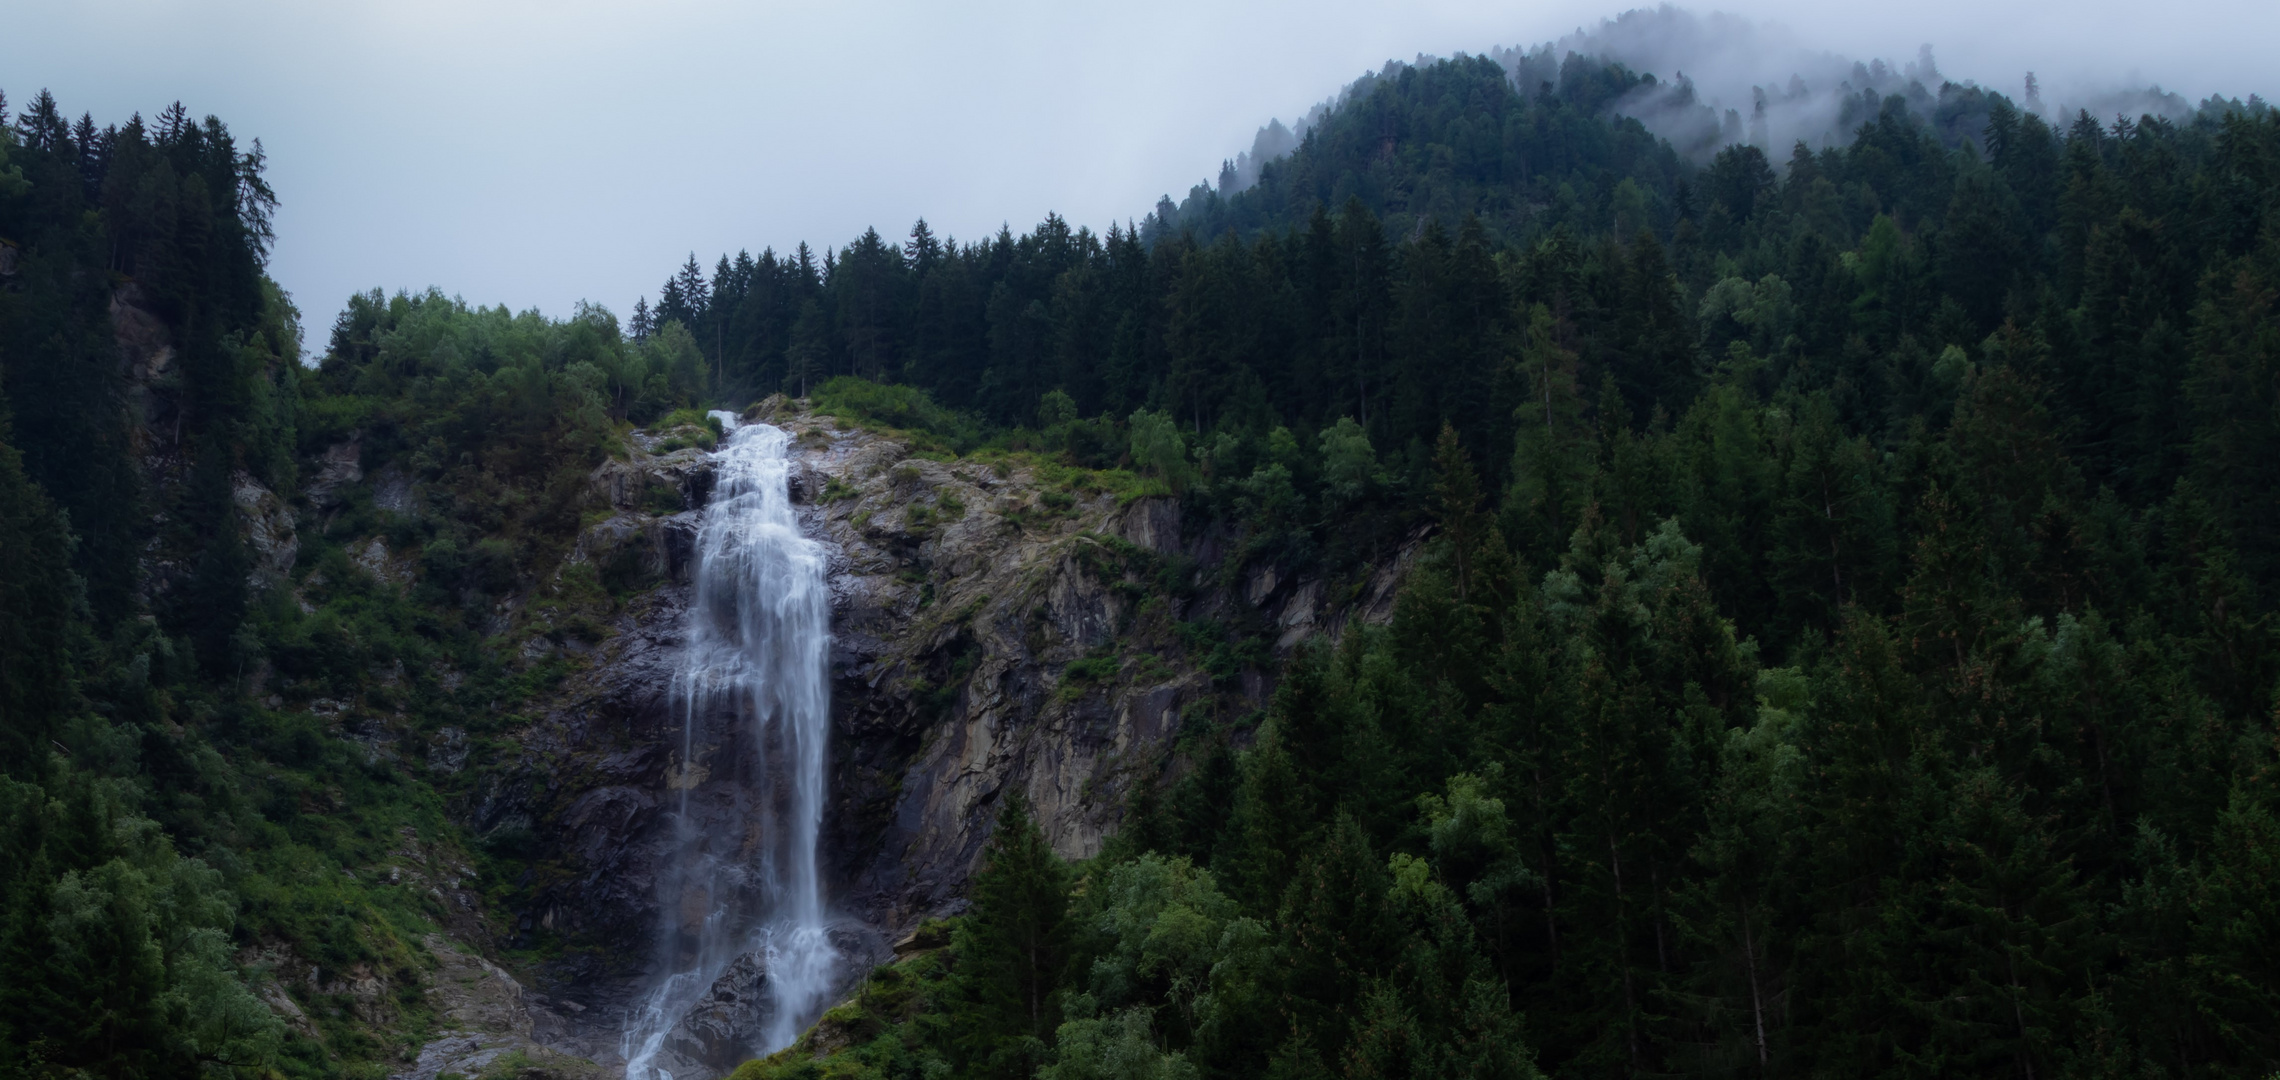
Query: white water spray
{"type": "Point", "coordinates": [759, 632]}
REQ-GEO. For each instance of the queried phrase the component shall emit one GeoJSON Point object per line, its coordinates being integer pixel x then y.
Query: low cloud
{"type": "Point", "coordinates": [1719, 80]}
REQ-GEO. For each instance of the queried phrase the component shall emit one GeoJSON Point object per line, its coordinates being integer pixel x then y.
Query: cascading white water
{"type": "Point", "coordinates": [759, 634]}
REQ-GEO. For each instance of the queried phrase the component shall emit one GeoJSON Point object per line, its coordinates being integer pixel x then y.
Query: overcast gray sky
{"type": "Point", "coordinates": [536, 154]}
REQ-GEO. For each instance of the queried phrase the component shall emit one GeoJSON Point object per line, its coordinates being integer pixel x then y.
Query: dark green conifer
{"type": "Point", "coordinates": [1011, 947]}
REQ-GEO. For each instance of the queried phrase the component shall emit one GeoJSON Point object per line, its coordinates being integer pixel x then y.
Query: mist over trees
{"type": "Point", "coordinates": [1716, 80]}
{"type": "Point", "coordinates": [1725, 80]}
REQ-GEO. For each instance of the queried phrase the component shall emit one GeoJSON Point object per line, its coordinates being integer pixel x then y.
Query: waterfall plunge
{"type": "Point", "coordinates": [759, 631]}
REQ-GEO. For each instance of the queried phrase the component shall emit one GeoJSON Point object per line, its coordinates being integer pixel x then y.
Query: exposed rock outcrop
{"type": "Point", "coordinates": [997, 625]}
{"type": "Point", "coordinates": [486, 1019]}
{"type": "Point", "coordinates": [342, 467]}
{"type": "Point", "coordinates": [147, 360]}
{"type": "Point", "coordinates": [268, 525]}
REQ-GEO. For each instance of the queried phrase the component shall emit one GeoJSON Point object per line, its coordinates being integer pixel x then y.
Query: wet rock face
{"type": "Point", "coordinates": [726, 1026]}
{"type": "Point", "coordinates": [592, 785]}
{"type": "Point", "coordinates": [962, 595]}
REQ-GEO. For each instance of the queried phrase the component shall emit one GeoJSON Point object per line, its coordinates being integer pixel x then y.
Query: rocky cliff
{"type": "Point", "coordinates": [999, 623]}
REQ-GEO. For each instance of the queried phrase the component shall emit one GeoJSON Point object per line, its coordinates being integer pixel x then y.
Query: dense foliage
{"type": "Point", "coordinates": [202, 870]}
{"type": "Point", "coordinates": [114, 925]}
{"type": "Point", "coordinates": [1844, 646]}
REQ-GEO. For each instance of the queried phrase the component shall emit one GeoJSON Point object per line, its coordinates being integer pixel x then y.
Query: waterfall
{"type": "Point", "coordinates": [743, 941]}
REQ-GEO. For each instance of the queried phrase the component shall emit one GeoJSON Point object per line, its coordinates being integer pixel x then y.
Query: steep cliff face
{"type": "Point", "coordinates": [998, 625]}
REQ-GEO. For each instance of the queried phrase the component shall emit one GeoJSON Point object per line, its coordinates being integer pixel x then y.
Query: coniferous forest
{"type": "Point", "coordinates": [1843, 642]}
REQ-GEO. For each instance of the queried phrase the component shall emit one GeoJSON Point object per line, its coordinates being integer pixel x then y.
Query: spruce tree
{"type": "Point", "coordinates": [1011, 947]}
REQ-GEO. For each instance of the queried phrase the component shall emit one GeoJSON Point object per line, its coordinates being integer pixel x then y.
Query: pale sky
{"type": "Point", "coordinates": [536, 154]}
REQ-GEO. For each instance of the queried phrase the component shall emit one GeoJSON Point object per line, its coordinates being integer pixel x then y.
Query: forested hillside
{"type": "Point", "coordinates": [219, 853]}
{"type": "Point", "coordinates": [1846, 643]}
{"type": "Point", "coordinates": [124, 585]}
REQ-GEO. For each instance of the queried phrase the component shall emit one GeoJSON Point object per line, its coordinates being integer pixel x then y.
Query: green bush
{"type": "Point", "coordinates": [491, 566]}
{"type": "Point", "coordinates": [699, 418]}
{"type": "Point", "coordinates": [1098, 666]}
{"type": "Point", "coordinates": [903, 408]}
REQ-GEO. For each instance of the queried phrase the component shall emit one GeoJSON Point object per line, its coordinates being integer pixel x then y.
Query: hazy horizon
{"type": "Point", "coordinates": [537, 156]}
